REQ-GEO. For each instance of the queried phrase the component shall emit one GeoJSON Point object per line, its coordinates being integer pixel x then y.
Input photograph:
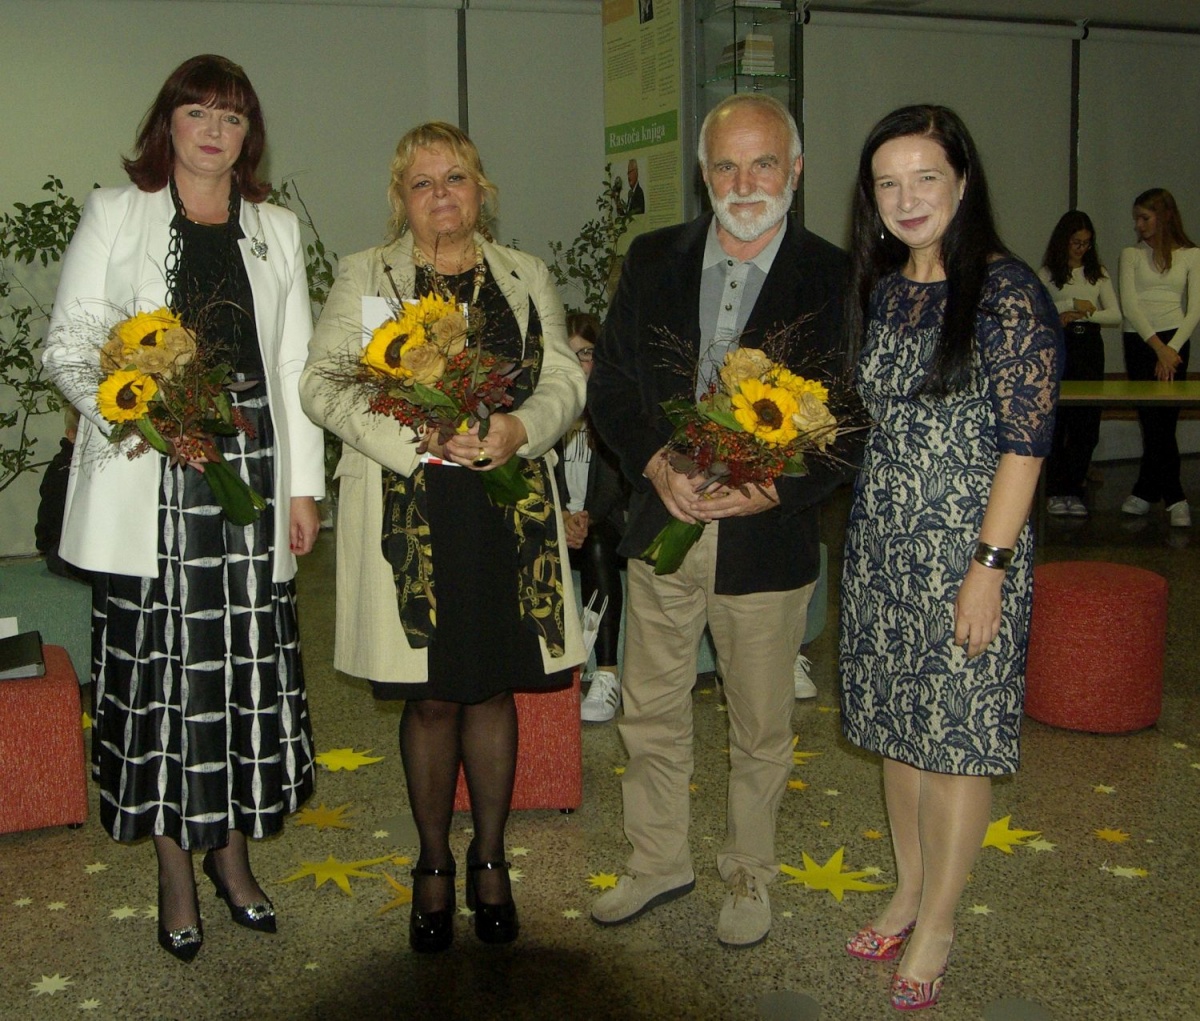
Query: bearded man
{"type": "Point", "coordinates": [731, 278]}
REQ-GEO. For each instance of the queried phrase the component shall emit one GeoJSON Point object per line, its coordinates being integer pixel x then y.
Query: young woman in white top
{"type": "Point", "coordinates": [1160, 296]}
{"type": "Point", "coordinates": [1084, 297]}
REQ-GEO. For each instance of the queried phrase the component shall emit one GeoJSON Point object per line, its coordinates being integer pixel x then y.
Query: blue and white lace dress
{"type": "Point", "coordinates": [908, 692]}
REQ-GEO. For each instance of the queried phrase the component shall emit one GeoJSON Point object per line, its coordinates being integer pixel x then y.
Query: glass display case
{"type": "Point", "coordinates": [745, 45]}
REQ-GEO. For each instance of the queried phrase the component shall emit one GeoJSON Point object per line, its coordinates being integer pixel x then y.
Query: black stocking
{"type": "Point", "coordinates": [489, 754]}
{"type": "Point", "coordinates": [233, 868]}
{"type": "Point", "coordinates": [176, 885]}
{"type": "Point", "coordinates": [430, 750]}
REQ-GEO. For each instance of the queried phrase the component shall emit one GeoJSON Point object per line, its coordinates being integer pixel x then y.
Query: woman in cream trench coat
{"type": "Point", "coordinates": [369, 640]}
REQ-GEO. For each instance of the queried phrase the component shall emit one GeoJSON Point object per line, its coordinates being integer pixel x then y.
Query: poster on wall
{"type": "Point", "coordinates": [641, 109]}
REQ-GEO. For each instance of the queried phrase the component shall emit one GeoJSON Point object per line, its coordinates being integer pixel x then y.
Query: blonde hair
{"type": "Point", "coordinates": [437, 134]}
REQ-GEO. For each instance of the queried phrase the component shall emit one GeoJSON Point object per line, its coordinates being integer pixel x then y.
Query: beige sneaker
{"type": "Point", "coordinates": [635, 895]}
{"type": "Point", "coordinates": [746, 914]}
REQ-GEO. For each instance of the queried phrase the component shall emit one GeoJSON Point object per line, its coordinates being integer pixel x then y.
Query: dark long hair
{"type": "Point", "coordinates": [1058, 249]}
{"type": "Point", "coordinates": [969, 244]}
{"type": "Point", "coordinates": [211, 81]}
{"type": "Point", "coordinates": [1171, 234]}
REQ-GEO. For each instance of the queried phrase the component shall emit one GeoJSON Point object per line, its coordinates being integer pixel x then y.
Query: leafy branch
{"type": "Point", "coordinates": [589, 263]}
{"type": "Point", "coordinates": [317, 261]}
{"type": "Point", "coordinates": [34, 233]}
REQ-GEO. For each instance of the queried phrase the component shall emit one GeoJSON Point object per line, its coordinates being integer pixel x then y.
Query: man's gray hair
{"type": "Point", "coordinates": [768, 103]}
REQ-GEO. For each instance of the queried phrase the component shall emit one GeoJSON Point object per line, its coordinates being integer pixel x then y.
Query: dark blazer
{"type": "Point", "coordinates": [658, 299]}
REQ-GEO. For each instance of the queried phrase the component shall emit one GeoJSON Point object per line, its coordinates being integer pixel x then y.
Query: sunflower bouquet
{"type": "Point", "coordinates": [422, 368]}
{"type": "Point", "coordinates": [162, 389]}
{"type": "Point", "coordinates": [752, 425]}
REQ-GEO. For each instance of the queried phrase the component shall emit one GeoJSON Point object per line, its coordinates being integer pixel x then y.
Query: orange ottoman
{"type": "Point", "coordinates": [43, 776]}
{"type": "Point", "coordinates": [549, 753]}
{"type": "Point", "coordinates": [1096, 646]}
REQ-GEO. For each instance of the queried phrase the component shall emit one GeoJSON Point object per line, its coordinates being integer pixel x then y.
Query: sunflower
{"type": "Point", "coordinates": [765, 411]}
{"type": "Point", "coordinates": [124, 396]}
{"type": "Point", "coordinates": [146, 329]}
{"type": "Point", "coordinates": [389, 343]}
{"type": "Point", "coordinates": [798, 386]}
{"type": "Point", "coordinates": [410, 329]}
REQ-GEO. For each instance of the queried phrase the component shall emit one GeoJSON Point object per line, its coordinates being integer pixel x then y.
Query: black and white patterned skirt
{"type": "Point", "coordinates": [201, 717]}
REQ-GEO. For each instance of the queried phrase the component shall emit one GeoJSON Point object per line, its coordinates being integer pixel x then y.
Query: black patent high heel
{"type": "Point", "coordinates": [259, 916]}
{"type": "Point", "coordinates": [430, 932]}
{"type": "Point", "coordinates": [184, 943]}
{"type": "Point", "coordinates": [494, 923]}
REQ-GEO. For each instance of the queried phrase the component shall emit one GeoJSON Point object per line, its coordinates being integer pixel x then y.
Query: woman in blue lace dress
{"type": "Point", "coordinates": [959, 355]}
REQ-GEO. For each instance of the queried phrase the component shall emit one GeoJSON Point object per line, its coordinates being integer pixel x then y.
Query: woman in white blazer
{"type": "Point", "coordinates": [443, 599]}
{"type": "Point", "coordinates": [201, 737]}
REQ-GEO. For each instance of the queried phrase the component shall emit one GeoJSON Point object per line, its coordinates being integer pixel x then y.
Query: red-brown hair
{"type": "Point", "coordinates": [211, 81]}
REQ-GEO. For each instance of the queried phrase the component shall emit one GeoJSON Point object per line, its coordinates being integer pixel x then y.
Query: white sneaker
{"type": "Point", "coordinates": [1076, 507]}
{"type": "Point", "coordinates": [804, 685]}
{"type": "Point", "coordinates": [1057, 506]}
{"type": "Point", "coordinates": [1180, 514]}
{"type": "Point", "coordinates": [602, 699]}
{"type": "Point", "coordinates": [1135, 505]}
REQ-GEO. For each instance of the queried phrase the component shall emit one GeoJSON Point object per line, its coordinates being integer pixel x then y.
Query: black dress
{"type": "Point", "coordinates": [201, 716]}
{"type": "Point", "coordinates": [480, 647]}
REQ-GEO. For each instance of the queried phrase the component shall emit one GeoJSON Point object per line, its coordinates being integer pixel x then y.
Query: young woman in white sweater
{"type": "Point", "coordinates": [1160, 296]}
{"type": "Point", "coordinates": [1084, 297]}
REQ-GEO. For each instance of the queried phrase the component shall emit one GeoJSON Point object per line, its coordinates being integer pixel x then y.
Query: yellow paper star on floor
{"type": "Point", "coordinates": [311, 966]}
{"type": "Point", "coordinates": [89, 1004]}
{"type": "Point", "coordinates": [345, 758]}
{"type": "Point", "coordinates": [704, 691]}
{"type": "Point", "coordinates": [340, 872]}
{"type": "Point", "coordinates": [619, 770]}
{"type": "Point", "coordinates": [831, 792]}
{"type": "Point", "coordinates": [150, 911]}
{"type": "Point", "coordinates": [403, 895]}
{"type": "Point", "coordinates": [1112, 836]}
{"type": "Point", "coordinates": [979, 909]}
{"type": "Point", "coordinates": [22, 902]}
{"type": "Point", "coordinates": [1124, 872]}
{"type": "Point", "coordinates": [799, 758]}
{"type": "Point", "coordinates": [872, 834]}
{"type": "Point", "coordinates": [1103, 788]}
{"type": "Point", "coordinates": [121, 913]}
{"type": "Point", "coordinates": [1179, 744]}
{"type": "Point", "coordinates": [85, 721]}
{"type": "Point", "coordinates": [515, 875]}
{"type": "Point", "coordinates": [380, 834]}
{"type": "Point", "coordinates": [826, 709]}
{"type": "Point", "coordinates": [96, 866]}
{"type": "Point", "coordinates": [692, 788]}
{"type": "Point", "coordinates": [602, 880]}
{"type": "Point", "coordinates": [1040, 844]}
{"type": "Point", "coordinates": [518, 852]}
{"type": "Point", "coordinates": [57, 905]}
{"type": "Point", "coordinates": [401, 859]}
{"type": "Point", "coordinates": [829, 876]}
{"type": "Point", "coordinates": [824, 824]}
{"type": "Point", "coordinates": [797, 785]}
{"type": "Point", "coordinates": [324, 818]}
{"type": "Point", "coordinates": [1000, 836]}
{"type": "Point", "coordinates": [572, 913]}
{"type": "Point", "coordinates": [51, 984]}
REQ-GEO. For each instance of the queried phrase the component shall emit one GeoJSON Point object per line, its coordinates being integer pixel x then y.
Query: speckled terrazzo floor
{"type": "Point", "coordinates": [1051, 924]}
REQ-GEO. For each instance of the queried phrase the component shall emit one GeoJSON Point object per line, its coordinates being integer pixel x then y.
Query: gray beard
{"type": "Point", "coordinates": [751, 228]}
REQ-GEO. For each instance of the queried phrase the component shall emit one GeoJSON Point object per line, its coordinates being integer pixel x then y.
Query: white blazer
{"type": "Point", "coordinates": [113, 268]}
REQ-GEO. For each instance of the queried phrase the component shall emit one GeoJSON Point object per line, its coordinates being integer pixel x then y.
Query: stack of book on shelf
{"type": "Point", "coordinates": [755, 54]}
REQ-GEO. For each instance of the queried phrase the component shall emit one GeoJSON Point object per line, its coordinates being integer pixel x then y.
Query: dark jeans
{"type": "Point", "coordinates": [1076, 430]}
{"type": "Point", "coordinates": [599, 567]}
{"type": "Point", "coordinates": [1158, 478]}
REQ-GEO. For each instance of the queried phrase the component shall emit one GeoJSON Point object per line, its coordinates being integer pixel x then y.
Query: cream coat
{"type": "Point", "coordinates": [113, 268]}
{"type": "Point", "coordinates": [370, 641]}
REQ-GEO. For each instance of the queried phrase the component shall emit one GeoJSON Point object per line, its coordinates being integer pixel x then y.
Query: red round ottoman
{"type": "Point", "coordinates": [1096, 646]}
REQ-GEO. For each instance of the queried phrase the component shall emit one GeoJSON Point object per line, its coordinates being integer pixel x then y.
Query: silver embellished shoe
{"type": "Point", "coordinates": [259, 916]}
{"type": "Point", "coordinates": [185, 943]}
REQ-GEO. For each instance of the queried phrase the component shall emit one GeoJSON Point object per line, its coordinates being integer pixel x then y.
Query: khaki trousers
{"type": "Point", "coordinates": [756, 637]}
